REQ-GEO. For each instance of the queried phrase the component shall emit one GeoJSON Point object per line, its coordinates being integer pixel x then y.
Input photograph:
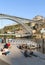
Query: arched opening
{"type": "Point", "coordinates": [8, 30]}
{"type": "Point", "coordinates": [7, 23]}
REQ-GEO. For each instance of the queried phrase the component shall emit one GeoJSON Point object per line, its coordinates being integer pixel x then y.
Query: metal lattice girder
{"type": "Point", "coordinates": [21, 21]}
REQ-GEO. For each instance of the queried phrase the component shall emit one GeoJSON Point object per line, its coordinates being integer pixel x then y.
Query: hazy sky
{"type": "Point", "coordinates": [21, 8]}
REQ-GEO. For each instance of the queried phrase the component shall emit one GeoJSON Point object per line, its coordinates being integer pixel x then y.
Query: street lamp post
{"type": "Point", "coordinates": [5, 36]}
{"type": "Point", "coordinates": [42, 43]}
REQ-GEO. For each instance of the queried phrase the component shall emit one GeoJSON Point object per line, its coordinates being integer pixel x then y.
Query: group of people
{"type": "Point", "coordinates": [5, 49]}
{"type": "Point", "coordinates": [29, 53]}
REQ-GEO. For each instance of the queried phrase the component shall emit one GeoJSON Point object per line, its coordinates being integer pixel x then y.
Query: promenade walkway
{"type": "Point", "coordinates": [17, 58]}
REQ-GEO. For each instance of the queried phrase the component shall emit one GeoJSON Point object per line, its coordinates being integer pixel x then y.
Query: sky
{"type": "Point", "coordinates": [21, 8]}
